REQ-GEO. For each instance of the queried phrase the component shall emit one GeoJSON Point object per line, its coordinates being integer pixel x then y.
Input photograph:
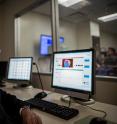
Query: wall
{"type": "Point", "coordinates": [77, 35]}
{"type": "Point", "coordinates": [106, 91]}
{"type": "Point", "coordinates": [83, 35]}
{"type": "Point", "coordinates": [9, 9]}
{"type": "Point", "coordinates": [69, 31]}
{"type": "Point", "coordinates": [33, 25]}
{"type": "Point", "coordinates": [1, 29]}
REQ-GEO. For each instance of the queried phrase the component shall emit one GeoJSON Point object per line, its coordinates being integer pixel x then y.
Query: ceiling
{"type": "Point", "coordinates": [88, 10]}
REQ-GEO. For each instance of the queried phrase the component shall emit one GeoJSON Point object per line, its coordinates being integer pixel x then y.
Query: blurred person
{"type": "Point", "coordinates": [111, 58]}
{"type": "Point", "coordinates": [110, 62]}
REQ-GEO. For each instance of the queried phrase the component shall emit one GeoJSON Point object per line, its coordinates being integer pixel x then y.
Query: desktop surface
{"type": "Point", "coordinates": [88, 120]}
{"type": "Point", "coordinates": [47, 118]}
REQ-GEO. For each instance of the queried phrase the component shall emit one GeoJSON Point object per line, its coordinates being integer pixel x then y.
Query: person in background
{"type": "Point", "coordinates": [111, 58]}
{"type": "Point", "coordinates": [108, 65]}
{"type": "Point", "coordinates": [110, 62]}
{"type": "Point", "coordinates": [15, 111]}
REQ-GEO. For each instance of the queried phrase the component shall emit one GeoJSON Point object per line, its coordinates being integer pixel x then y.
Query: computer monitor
{"type": "Point", "coordinates": [20, 69]}
{"type": "Point", "coordinates": [45, 47]}
{"type": "Point", "coordinates": [74, 71]}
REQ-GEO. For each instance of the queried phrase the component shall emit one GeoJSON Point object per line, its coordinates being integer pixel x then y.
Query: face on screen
{"type": "Point", "coordinates": [73, 70]}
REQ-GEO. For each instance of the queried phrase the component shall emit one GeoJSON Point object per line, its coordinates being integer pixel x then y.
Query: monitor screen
{"type": "Point", "coordinates": [20, 68]}
{"type": "Point", "coordinates": [46, 44]}
{"type": "Point", "coordinates": [73, 70]}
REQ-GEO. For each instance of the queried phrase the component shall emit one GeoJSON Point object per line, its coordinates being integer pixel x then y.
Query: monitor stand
{"type": "Point", "coordinates": [67, 98]}
{"type": "Point", "coordinates": [84, 101]}
{"type": "Point", "coordinates": [22, 86]}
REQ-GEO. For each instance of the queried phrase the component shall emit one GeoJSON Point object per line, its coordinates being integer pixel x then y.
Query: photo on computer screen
{"type": "Point", "coordinates": [67, 63]}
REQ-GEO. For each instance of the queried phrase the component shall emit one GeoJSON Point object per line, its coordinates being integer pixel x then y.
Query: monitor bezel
{"type": "Point", "coordinates": [20, 79]}
{"type": "Point", "coordinates": [93, 72]}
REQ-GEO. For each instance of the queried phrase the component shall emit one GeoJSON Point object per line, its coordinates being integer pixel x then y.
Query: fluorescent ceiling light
{"type": "Point", "coordinates": [107, 18]}
{"type": "Point", "coordinates": [68, 3]}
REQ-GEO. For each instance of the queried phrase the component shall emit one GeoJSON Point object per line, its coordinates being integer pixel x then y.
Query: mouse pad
{"type": "Point", "coordinates": [87, 120]}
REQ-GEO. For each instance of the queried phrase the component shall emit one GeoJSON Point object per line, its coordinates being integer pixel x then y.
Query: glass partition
{"type": "Point", "coordinates": [34, 34]}
{"type": "Point", "coordinates": [73, 24]}
{"type": "Point", "coordinates": [83, 25]}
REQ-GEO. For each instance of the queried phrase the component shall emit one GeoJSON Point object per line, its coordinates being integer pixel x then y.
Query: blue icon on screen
{"type": "Point", "coordinates": [86, 76]}
{"type": "Point", "coordinates": [86, 66]}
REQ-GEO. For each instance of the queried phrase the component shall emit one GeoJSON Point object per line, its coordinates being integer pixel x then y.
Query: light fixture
{"type": "Point", "coordinates": [68, 3]}
{"type": "Point", "coordinates": [107, 18]}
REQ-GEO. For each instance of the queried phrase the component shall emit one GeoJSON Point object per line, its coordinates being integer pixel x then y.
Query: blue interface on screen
{"type": "Point", "coordinates": [73, 70]}
{"type": "Point", "coordinates": [46, 44]}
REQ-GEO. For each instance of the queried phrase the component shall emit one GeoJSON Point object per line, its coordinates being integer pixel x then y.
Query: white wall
{"type": "Point", "coordinates": [69, 31]}
{"type": "Point", "coordinates": [32, 25]}
{"type": "Point", "coordinates": [83, 35]}
{"type": "Point", "coordinates": [77, 36]}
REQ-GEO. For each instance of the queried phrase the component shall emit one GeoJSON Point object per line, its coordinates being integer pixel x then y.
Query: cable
{"type": "Point", "coordinates": [105, 114]}
{"type": "Point", "coordinates": [69, 101]}
{"type": "Point", "coordinates": [39, 76]}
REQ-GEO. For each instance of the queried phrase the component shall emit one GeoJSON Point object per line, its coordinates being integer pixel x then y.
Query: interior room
{"type": "Point", "coordinates": [66, 26]}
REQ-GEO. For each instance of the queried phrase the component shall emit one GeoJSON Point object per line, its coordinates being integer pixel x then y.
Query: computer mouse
{"type": "Point", "coordinates": [98, 120]}
{"type": "Point", "coordinates": [40, 95]}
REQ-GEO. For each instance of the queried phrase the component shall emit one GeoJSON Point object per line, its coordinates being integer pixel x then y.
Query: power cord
{"type": "Point", "coordinates": [105, 114]}
{"type": "Point", "coordinates": [70, 101]}
{"type": "Point", "coordinates": [41, 94]}
{"type": "Point", "coordinates": [39, 76]}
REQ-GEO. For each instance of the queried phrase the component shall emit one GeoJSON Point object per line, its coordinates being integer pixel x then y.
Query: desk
{"type": "Point", "coordinates": [26, 93]}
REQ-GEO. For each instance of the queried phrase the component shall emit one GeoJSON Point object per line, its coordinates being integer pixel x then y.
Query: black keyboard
{"type": "Point", "coordinates": [53, 108]}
